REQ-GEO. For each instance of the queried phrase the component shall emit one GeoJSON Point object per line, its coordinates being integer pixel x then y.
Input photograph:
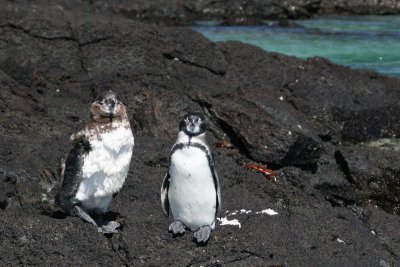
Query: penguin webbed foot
{"type": "Point", "coordinates": [203, 234]}
{"type": "Point", "coordinates": [110, 227]}
{"type": "Point", "coordinates": [106, 227]}
{"type": "Point", "coordinates": [177, 228]}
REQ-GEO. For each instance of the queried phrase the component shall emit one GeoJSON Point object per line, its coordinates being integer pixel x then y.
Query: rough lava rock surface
{"type": "Point", "coordinates": [314, 122]}
{"type": "Point", "coordinates": [232, 12]}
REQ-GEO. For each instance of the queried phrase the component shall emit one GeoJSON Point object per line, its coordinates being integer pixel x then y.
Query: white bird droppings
{"type": "Point", "coordinates": [340, 240]}
{"type": "Point", "coordinates": [225, 221]}
{"type": "Point", "coordinates": [268, 211]}
{"type": "Point", "coordinates": [244, 211]}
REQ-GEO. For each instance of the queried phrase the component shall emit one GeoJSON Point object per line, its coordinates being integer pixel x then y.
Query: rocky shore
{"type": "Point", "coordinates": [232, 12]}
{"type": "Point", "coordinates": [239, 12]}
{"type": "Point", "coordinates": [329, 132]}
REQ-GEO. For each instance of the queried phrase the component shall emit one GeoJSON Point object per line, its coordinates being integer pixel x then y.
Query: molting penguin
{"type": "Point", "coordinates": [191, 187]}
{"type": "Point", "coordinates": [96, 163]}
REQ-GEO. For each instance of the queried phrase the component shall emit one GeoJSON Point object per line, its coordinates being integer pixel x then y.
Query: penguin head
{"type": "Point", "coordinates": [107, 105]}
{"type": "Point", "coordinates": [193, 123]}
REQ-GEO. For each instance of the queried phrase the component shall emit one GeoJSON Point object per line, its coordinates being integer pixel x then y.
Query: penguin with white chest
{"type": "Point", "coordinates": [96, 163]}
{"type": "Point", "coordinates": [191, 186]}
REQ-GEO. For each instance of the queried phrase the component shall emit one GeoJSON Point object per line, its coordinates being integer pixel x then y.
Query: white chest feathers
{"type": "Point", "coordinates": [192, 193]}
{"type": "Point", "coordinates": [106, 166]}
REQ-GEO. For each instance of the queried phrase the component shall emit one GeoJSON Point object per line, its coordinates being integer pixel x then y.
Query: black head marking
{"type": "Point", "coordinates": [107, 97]}
{"type": "Point", "coordinates": [193, 123]}
{"type": "Point", "coordinates": [108, 101]}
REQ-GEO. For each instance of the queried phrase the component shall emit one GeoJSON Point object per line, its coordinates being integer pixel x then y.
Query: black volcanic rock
{"type": "Point", "coordinates": [264, 131]}
{"type": "Point", "coordinates": [236, 12]}
{"type": "Point", "coordinates": [336, 196]}
{"type": "Point", "coordinates": [370, 124]}
{"type": "Point", "coordinates": [233, 12]}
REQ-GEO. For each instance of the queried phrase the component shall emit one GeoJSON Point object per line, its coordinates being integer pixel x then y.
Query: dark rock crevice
{"type": "Point", "coordinates": [300, 153]}
{"type": "Point", "coordinates": [94, 41]}
{"type": "Point", "coordinates": [171, 57]}
{"type": "Point", "coordinates": [238, 259]}
{"type": "Point", "coordinates": [3, 205]}
{"type": "Point", "coordinates": [254, 254]}
{"type": "Point", "coordinates": [334, 199]}
{"type": "Point", "coordinates": [344, 167]}
{"type": "Point", "coordinates": [235, 138]}
{"type": "Point", "coordinates": [28, 32]}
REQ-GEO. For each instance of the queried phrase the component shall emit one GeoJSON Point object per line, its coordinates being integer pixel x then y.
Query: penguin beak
{"type": "Point", "coordinates": [191, 127]}
{"type": "Point", "coordinates": [111, 107]}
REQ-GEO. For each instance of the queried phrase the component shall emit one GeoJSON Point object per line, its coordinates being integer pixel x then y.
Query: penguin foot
{"type": "Point", "coordinates": [177, 227]}
{"type": "Point", "coordinates": [81, 213]}
{"type": "Point", "coordinates": [203, 234]}
{"type": "Point", "coordinates": [106, 227]}
{"type": "Point", "coordinates": [110, 227]}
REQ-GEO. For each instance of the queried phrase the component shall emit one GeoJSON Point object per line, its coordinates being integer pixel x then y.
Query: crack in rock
{"type": "Point", "coordinates": [344, 166]}
{"type": "Point", "coordinates": [18, 27]}
{"type": "Point", "coordinates": [184, 61]}
{"type": "Point", "coordinates": [236, 138]}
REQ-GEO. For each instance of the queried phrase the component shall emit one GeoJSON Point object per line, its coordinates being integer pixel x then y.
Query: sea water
{"type": "Point", "coordinates": [361, 42]}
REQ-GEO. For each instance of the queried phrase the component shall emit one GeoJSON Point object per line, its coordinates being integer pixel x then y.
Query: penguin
{"type": "Point", "coordinates": [191, 186]}
{"type": "Point", "coordinates": [96, 163]}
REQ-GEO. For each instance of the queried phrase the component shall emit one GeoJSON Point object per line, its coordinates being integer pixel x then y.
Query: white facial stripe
{"type": "Point", "coordinates": [194, 129]}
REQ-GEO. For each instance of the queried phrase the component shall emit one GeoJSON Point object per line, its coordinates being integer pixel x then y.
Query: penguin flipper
{"type": "Point", "coordinates": [164, 195]}
{"type": "Point", "coordinates": [217, 187]}
{"type": "Point", "coordinates": [71, 172]}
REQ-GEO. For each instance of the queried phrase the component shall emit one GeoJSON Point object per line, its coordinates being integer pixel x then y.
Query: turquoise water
{"type": "Point", "coordinates": [362, 42]}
